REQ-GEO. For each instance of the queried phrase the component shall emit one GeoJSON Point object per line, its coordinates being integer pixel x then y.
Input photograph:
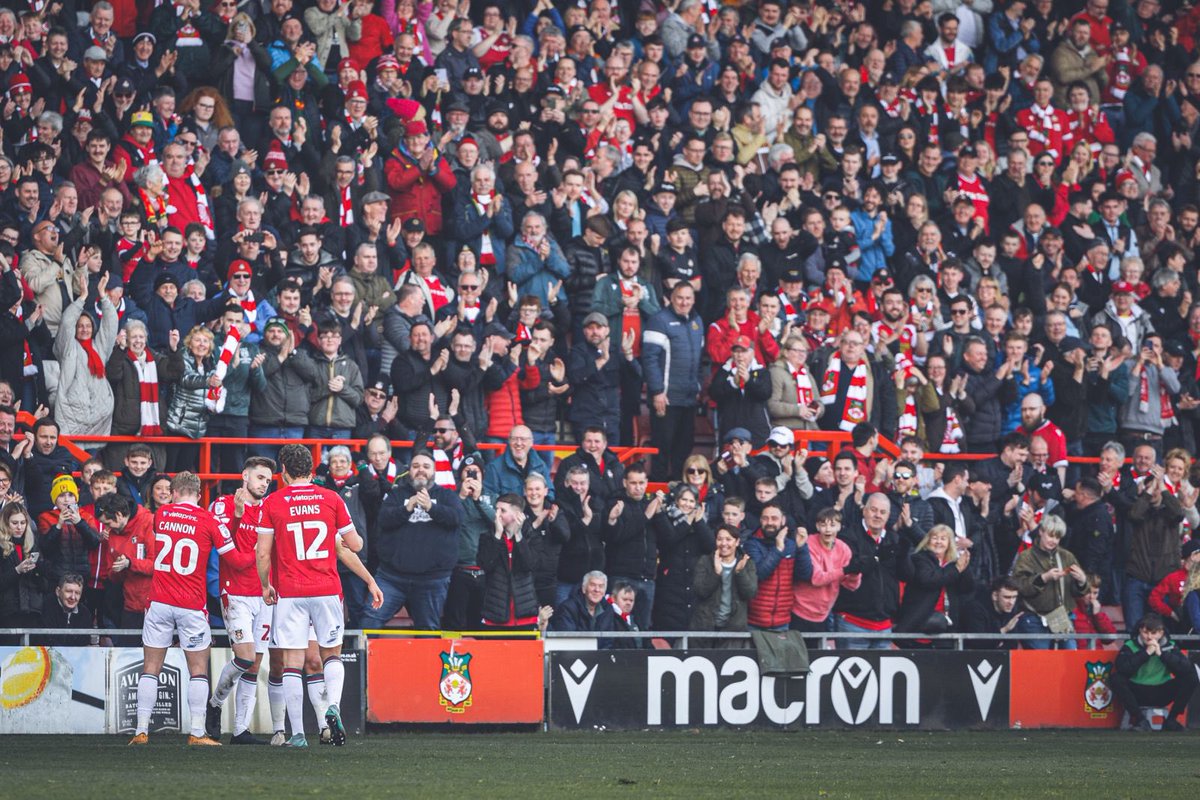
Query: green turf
{"type": "Point", "coordinates": [1010, 764]}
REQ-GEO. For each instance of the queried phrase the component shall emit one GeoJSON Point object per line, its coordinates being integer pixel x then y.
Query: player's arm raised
{"type": "Point", "coordinates": [350, 558]}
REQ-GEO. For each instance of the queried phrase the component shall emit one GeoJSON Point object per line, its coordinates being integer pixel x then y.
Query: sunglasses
{"type": "Point", "coordinates": [696, 471]}
{"type": "Point", "coordinates": [274, 172]}
{"type": "Point", "coordinates": [241, 276]}
{"type": "Point", "coordinates": [959, 311]}
{"type": "Point", "coordinates": [468, 287]}
{"type": "Point", "coordinates": [902, 476]}
{"type": "Point", "coordinates": [444, 430]}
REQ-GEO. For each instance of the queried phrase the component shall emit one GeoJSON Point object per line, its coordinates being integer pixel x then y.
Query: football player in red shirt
{"type": "Point", "coordinates": [247, 618]}
{"type": "Point", "coordinates": [185, 535]}
{"type": "Point", "coordinates": [303, 532]}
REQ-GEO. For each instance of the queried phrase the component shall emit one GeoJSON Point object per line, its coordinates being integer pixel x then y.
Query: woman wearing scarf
{"type": "Point", "coordinates": [135, 373]}
{"type": "Point", "coordinates": [187, 413]}
{"type": "Point", "coordinates": [84, 404]}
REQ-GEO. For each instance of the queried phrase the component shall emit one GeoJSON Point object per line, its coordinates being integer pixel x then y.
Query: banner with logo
{"type": "Point", "coordinates": [170, 713]}
{"type": "Point", "coordinates": [632, 689]}
{"type": "Point", "coordinates": [1063, 689]}
{"type": "Point", "coordinates": [458, 681]}
{"type": "Point", "coordinates": [52, 689]}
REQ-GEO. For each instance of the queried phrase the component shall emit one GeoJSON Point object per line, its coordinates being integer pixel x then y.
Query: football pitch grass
{"type": "Point", "coordinates": [711, 763]}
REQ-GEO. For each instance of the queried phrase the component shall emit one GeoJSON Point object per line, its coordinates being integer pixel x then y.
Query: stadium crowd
{"type": "Point", "coordinates": [966, 227]}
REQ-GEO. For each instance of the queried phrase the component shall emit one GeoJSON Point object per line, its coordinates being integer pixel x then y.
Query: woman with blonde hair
{"type": "Point", "coordinates": [938, 585]}
{"type": "Point", "coordinates": [18, 558]}
{"type": "Point", "coordinates": [697, 475]}
{"type": "Point", "coordinates": [241, 70]}
{"type": "Point", "coordinates": [187, 414]}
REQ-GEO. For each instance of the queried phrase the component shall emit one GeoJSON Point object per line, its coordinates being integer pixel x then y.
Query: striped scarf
{"type": "Point", "coordinates": [444, 466]}
{"type": "Point", "coordinates": [27, 366]}
{"type": "Point", "coordinates": [346, 211]}
{"type": "Point", "coordinates": [954, 431]}
{"type": "Point", "coordinates": [392, 471]}
{"type": "Point", "coordinates": [202, 209]}
{"type": "Point", "coordinates": [147, 372]}
{"type": "Point", "coordinates": [487, 256]}
{"type": "Point", "coordinates": [855, 409]}
{"type": "Point", "coordinates": [214, 398]}
{"type": "Point", "coordinates": [908, 418]}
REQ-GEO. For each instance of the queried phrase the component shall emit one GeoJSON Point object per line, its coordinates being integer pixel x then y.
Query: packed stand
{"type": "Point", "coordinates": [967, 228]}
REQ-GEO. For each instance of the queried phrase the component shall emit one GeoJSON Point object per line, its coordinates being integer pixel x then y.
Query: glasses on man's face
{"type": "Point", "coordinates": [468, 287]}
{"type": "Point", "coordinates": [958, 312]}
{"type": "Point", "coordinates": [274, 172]}
{"type": "Point", "coordinates": [443, 430]}
{"type": "Point", "coordinates": [375, 393]}
{"type": "Point", "coordinates": [902, 476]}
{"type": "Point", "coordinates": [241, 276]}
{"type": "Point", "coordinates": [187, 142]}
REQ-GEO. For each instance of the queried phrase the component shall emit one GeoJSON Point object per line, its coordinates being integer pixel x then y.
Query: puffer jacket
{"type": "Point", "coordinates": [504, 402]}
{"type": "Point", "coordinates": [336, 409]}
{"type": "Point", "coordinates": [509, 592]}
{"type": "Point", "coordinates": [587, 265]}
{"type": "Point", "coordinates": [672, 348]}
{"type": "Point", "coordinates": [186, 413]}
{"type": "Point", "coordinates": [283, 401]}
{"type": "Point", "coordinates": [532, 274]}
{"type": "Point", "coordinates": [240, 381]}
{"type": "Point", "coordinates": [776, 571]}
{"type": "Point", "coordinates": [1154, 538]}
{"type": "Point", "coordinates": [416, 194]}
{"type": "Point", "coordinates": [984, 405]}
{"type": "Point", "coordinates": [1037, 595]}
{"type": "Point", "coordinates": [84, 404]}
{"type": "Point", "coordinates": [546, 543]}
{"type": "Point", "coordinates": [680, 543]}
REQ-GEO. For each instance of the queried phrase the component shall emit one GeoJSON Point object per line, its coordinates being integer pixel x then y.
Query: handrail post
{"type": "Point", "coordinates": [205, 468]}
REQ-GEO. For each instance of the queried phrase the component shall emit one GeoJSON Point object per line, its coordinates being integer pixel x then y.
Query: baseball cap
{"type": "Point", "coordinates": [742, 343]}
{"type": "Point", "coordinates": [1045, 484]}
{"type": "Point", "coordinates": [1190, 547]}
{"type": "Point", "coordinates": [881, 276]}
{"type": "Point", "coordinates": [473, 72]}
{"type": "Point", "coordinates": [123, 87]}
{"type": "Point", "coordinates": [595, 318]}
{"type": "Point", "coordinates": [413, 225]}
{"type": "Point", "coordinates": [889, 158]}
{"type": "Point", "coordinates": [278, 322]}
{"type": "Point", "coordinates": [1123, 287]}
{"type": "Point", "coordinates": [792, 276]}
{"type": "Point", "coordinates": [968, 151]}
{"type": "Point", "coordinates": [669, 188]}
{"type": "Point", "coordinates": [694, 41]}
{"type": "Point", "coordinates": [782, 436]}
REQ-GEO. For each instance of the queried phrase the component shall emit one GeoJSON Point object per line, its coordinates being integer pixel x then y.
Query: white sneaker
{"type": "Point", "coordinates": [279, 739]}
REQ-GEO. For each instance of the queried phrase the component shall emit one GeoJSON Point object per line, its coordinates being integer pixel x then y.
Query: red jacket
{"type": "Point", "coordinates": [1167, 596]}
{"type": "Point", "coordinates": [504, 404]}
{"type": "Point", "coordinates": [100, 559]}
{"type": "Point", "coordinates": [721, 335]}
{"type": "Point", "coordinates": [416, 193]}
{"type": "Point", "coordinates": [137, 544]}
{"type": "Point", "coordinates": [771, 607]}
{"type": "Point", "coordinates": [1087, 622]}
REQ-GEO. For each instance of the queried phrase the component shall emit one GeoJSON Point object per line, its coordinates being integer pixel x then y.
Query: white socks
{"type": "Point", "coordinates": [293, 696]}
{"type": "Point", "coordinates": [247, 688]}
{"type": "Point", "coordinates": [197, 700]}
{"type": "Point", "coordinates": [335, 677]}
{"type": "Point", "coordinates": [147, 694]}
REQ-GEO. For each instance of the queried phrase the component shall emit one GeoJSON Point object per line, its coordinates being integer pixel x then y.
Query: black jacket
{"type": "Point", "coordinates": [40, 472]}
{"type": "Point", "coordinates": [546, 543]}
{"type": "Point", "coordinates": [417, 543]}
{"type": "Point", "coordinates": [929, 579]}
{"type": "Point", "coordinates": [878, 597]}
{"type": "Point", "coordinates": [986, 397]}
{"type": "Point", "coordinates": [604, 484]}
{"type": "Point", "coordinates": [630, 546]}
{"type": "Point", "coordinates": [743, 406]}
{"type": "Point", "coordinates": [572, 615]}
{"type": "Point", "coordinates": [680, 543]}
{"type": "Point", "coordinates": [584, 549]}
{"type": "Point", "coordinates": [1090, 537]}
{"type": "Point", "coordinates": [508, 593]}
{"type": "Point", "coordinates": [587, 265]}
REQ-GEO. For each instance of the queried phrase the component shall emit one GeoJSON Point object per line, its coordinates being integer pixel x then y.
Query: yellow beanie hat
{"type": "Point", "coordinates": [63, 483]}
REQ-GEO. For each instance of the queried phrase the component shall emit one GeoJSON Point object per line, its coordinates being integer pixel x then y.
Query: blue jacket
{"type": "Point", "coordinates": [531, 274]}
{"type": "Point", "coordinates": [1012, 411]}
{"type": "Point", "coordinates": [1104, 399]}
{"type": "Point", "coordinates": [419, 543]}
{"type": "Point", "coordinates": [467, 225]}
{"type": "Point", "coordinates": [672, 348]}
{"type": "Point", "coordinates": [1006, 41]}
{"type": "Point", "coordinates": [875, 252]}
{"type": "Point", "coordinates": [503, 476]}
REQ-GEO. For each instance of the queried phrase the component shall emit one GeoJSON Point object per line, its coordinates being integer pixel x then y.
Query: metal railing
{"type": "Point", "coordinates": [827, 638]}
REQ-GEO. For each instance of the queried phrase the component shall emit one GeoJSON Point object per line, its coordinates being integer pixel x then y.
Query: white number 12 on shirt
{"type": "Point", "coordinates": [312, 551]}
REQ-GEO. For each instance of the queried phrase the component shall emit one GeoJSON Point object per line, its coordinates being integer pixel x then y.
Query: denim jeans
{"type": "Point", "coordinates": [840, 625]}
{"type": "Point", "coordinates": [563, 592]}
{"type": "Point", "coordinates": [423, 597]}
{"type": "Point", "coordinates": [271, 451]}
{"type": "Point", "coordinates": [355, 592]}
{"type": "Point", "coordinates": [546, 455]}
{"type": "Point", "coordinates": [644, 601]}
{"type": "Point", "coordinates": [1134, 600]}
{"type": "Point", "coordinates": [1032, 623]}
{"type": "Point", "coordinates": [327, 432]}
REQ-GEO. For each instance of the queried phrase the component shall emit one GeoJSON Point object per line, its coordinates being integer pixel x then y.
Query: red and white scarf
{"type": "Point", "coordinates": [904, 357]}
{"type": "Point", "coordinates": [1164, 399]}
{"type": "Point", "coordinates": [732, 369]}
{"type": "Point", "coordinates": [202, 209]}
{"type": "Point", "coordinates": [908, 417]}
{"type": "Point", "coordinates": [214, 398]}
{"type": "Point", "coordinates": [155, 208]}
{"type": "Point", "coordinates": [804, 389]}
{"type": "Point", "coordinates": [391, 473]}
{"type": "Point", "coordinates": [346, 211]}
{"type": "Point", "coordinates": [855, 409]}
{"type": "Point", "coordinates": [789, 308]}
{"type": "Point", "coordinates": [444, 466]}
{"type": "Point", "coordinates": [147, 372]}
{"type": "Point", "coordinates": [487, 257]}
{"type": "Point", "coordinates": [249, 309]}
{"type": "Point", "coordinates": [27, 366]}
{"type": "Point", "coordinates": [437, 292]}
{"type": "Point", "coordinates": [954, 431]}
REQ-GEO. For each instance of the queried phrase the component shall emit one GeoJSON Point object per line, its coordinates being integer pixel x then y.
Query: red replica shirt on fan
{"type": "Point", "coordinates": [184, 537]}
{"type": "Point", "coordinates": [305, 521]}
{"type": "Point", "coordinates": [240, 579]}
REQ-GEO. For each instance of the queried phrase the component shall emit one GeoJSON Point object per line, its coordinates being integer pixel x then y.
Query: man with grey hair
{"type": "Point", "coordinates": [1141, 157]}
{"type": "Point", "coordinates": [481, 219]}
{"type": "Point", "coordinates": [876, 553]}
{"type": "Point", "coordinates": [679, 25]}
{"type": "Point", "coordinates": [535, 261]}
{"type": "Point", "coordinates": [586, 609]}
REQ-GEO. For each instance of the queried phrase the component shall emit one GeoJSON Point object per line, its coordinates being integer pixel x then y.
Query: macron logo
{"type": "Point", "coordinates": [984, 678]}
{"type": "Point", "coordinates": [578, 680]}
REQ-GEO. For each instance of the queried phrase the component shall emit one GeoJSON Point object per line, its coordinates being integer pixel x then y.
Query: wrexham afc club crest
{"type": "Point", "coordinates": [1097, 694]}
{"type": "Point", "coordinates": [455, 685]}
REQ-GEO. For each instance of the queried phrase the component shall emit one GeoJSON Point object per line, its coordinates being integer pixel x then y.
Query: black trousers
{"type": "Point", "coordinates": [674, 435]}
{"type": "Point", "coordinates": [464, 600]}
{"type": "Point", "coordinates": [1175, 693]}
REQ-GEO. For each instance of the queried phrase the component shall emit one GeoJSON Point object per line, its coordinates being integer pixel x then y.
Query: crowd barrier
{"type": "Point", "coordinates": [564, 682]}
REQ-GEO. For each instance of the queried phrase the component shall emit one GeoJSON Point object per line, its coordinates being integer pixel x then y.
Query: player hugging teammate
{"type": "Point", "coordinates": [293, 539]}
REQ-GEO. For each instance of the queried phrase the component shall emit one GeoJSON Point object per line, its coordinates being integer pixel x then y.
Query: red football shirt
{"type": "Point", "coordinates": [184, 537]}
{"type": "Point", "coordinates": [1056, 442]}
{"type": "Point", "coordinates": [305, 521]}
{"type": "Point", "coordinates": [240, 579]}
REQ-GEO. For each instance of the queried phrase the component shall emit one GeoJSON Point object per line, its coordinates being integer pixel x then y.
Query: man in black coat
{"type": "Point", "coordinates": [418, 547]}
{"type": "Point", "coordinates": [996, 614]}
{"type": "Point", "coordinates": [45, 461]}
{"type": "Point", "coordinates": [508, 560]}
{"type": "Point", "coordinates": [988, 392]}
{"type": "Point", "coordinates": [604, 468]}
{"type": "Point", "coordinates": [1090, 531]}
{"type": "Point", "coordinates": [631, 546]}
{"type": "Point", "coordinates": [1007, 474]}
{"type": "Point", "coordinates": [877, 553]}
{"type": "Point", "coordinates": [594, 371]}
